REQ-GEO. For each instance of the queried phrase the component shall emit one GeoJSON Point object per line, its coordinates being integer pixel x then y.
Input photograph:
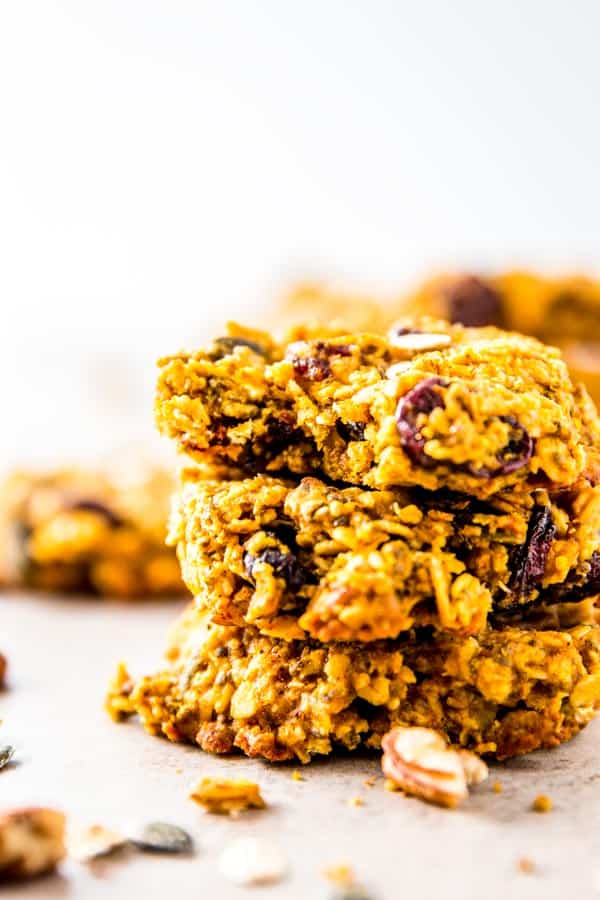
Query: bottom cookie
{"type": "Point", "coordinates": [503, 693]}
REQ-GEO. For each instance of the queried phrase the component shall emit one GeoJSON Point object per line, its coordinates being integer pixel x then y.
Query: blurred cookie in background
{"type": "Point", "coordinates": [312, 309]}
{"type": "Point", "coordinates": [89, 532]}
{"type": "Point", "coordinates": [561, 311]}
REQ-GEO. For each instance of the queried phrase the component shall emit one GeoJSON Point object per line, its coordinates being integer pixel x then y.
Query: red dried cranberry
{"type": "Point", "coordinates": [529, 560]}
{"type": "Point", "coordinates": [421, 400]}
{"type": "Point", "coordinates": [317, 367]}
{"type": "Point", "coordinates": [284, 564]}
{"type": "Point", "coordinates": [472, 301]}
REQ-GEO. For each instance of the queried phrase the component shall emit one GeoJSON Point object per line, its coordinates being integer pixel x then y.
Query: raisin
{"type": "Point", "coordinates": [529, 560]}
{"type": "Point", "coordinates": [281, 431]}
{"type": "Point", "coordinates": [284, 564]}
{"type": "Point", "coordinates": [317, 366]}
{"type": "Point", "coordinates": [95, 506]}
{"type": "Point", "coordinates": [223, 346]}
{"type": "Point", "coordinates": [473, 302]}
{"type": "Point", "coordinates": [421, 400]}
{"type": "Point", "coordinates": [351, 431]}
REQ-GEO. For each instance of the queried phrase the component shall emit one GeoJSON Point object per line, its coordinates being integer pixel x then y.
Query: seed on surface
{"type": "Point", "coordinates": [249, 861]}
{"type": "Point", "coordinates": [542, 803]}
{"type": "Point", "coordinates": [161, 837]}
{"type": "Point", "coordinates": [6, 754]}
{"type": "Point", "coordinates": [93, 842]}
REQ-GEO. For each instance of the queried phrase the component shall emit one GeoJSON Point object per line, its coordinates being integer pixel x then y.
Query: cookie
{"type": "Point", "coordinates": [505, 692]}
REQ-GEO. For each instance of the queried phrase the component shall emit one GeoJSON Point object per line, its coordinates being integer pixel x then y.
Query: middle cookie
{"type": "Point", "coordinates": [350, 564]}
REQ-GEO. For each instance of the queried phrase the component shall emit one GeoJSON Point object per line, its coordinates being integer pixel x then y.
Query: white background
{"type": "Point", "coordinates": [165, 165]}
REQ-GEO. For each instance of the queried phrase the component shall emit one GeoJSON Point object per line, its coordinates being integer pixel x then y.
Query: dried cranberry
{"type": "Point", "coordinates": [529, 560]}
{"type": "Point", "coordinates": [317, 367]}
{"type": "Point", "coordinates": [100, 509]}
{"type": "Point", "coordinates": [421, 400]}
{"type": "Point", "coordinates": [516, 454]}
{"type": "Point", "coordinates": [472, 301]}
{"type": "Point", "coordinates": [284, 564]}
{"type": "Point", "coordinates": [225, 345]}
{"type": "Point", "coordinates": [351, 431]}
{"type": "Point", "coordinates": [575, 589]}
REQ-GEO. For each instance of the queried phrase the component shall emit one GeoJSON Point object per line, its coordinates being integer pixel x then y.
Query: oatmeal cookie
{"type": "Point", "coordinates": [471, 410]}
{"type": "Point", "coordinates": [503, 693]}
{"type": "Point", "coordinates": [85, 531]}
{"type": "Point", "coordinates": [348, 564]}
{"type": "Point", "coordinates": [563, 311]}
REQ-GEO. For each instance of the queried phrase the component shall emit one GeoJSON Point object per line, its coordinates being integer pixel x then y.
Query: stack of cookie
{"type": "Point", "coordinates": [379, 531]}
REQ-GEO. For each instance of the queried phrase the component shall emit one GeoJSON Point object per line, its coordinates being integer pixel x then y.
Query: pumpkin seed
{"type": "Point", "coordinates": [162, 837]}
{"type": "Point", "coordinates": [6, 754]}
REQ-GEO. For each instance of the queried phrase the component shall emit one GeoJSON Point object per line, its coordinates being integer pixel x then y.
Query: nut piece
{"type": "Point", "coordinates": [162, 837]}
{"type": "Point", "coordinates": [32, 841]}
{"type": "Point", "coordinates": [90, 843]}
{"type": "Point", "coordinates": [418, 761]}
{"type": "Point", "coordinates": [6, 754]}
{"type": "Point", "coordinates": [418, 341]}
{"type": "Point", "coordinates": [252, 861]}
{"type": "Point", "coordinates": [226, 796]}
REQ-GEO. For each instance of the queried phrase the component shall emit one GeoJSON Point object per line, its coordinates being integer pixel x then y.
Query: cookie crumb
{"type": "Point", "coordinates": [340, 874]}
{"type": "Point", "coordinates": [356, 801]}
{"type": "Point", "coordinates": [542, 803]}
{"type": "Point", "coordinates": [225, 796]}
{"type": "Point", "coordinates": [297, 775]}
{"type": "Point", "coordinates": [498, 787]}
{"type": "Point", "coordinates": [526, 865]}
{"type": "Point", "coordinates": [370, 782]}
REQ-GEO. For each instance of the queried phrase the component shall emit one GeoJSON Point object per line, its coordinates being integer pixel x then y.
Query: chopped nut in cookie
{"type": "Point", "coordinates": [419, 762]}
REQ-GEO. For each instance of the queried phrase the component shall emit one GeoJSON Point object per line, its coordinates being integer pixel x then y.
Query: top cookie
{"type": "Point", "coordinates": [475, 410]}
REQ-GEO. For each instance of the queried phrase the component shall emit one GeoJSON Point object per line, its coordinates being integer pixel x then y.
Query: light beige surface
{"type": "Point", "coordinates": [69, 754]}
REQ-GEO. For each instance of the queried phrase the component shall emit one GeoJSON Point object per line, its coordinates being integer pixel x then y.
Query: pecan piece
{"type": "Point", "coordinates": [418, 761]}
{"type": "Point", "coordinates": [32, 841]}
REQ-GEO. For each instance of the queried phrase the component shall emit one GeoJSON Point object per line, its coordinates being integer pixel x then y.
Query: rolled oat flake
{"type": "Point", "coordinates": [6, 754]}
{"type": "Point", "coordinates": [249, 861]}
{"type": "Point", "coordinates": [161, 837]}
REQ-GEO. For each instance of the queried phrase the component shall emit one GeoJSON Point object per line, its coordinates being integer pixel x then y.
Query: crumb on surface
{"type": "Point", "coordinates": [297, 775]}
{"type": "Point", "coordinates": [370, 782]}
{"type": "Point", "coordinates": [526, 865]}
{"type": "Point", "coordinates": [542, 803]}
{"type": "Point", "coordinates": [498, 787]}
{"type": "Point", "coordinates": [341, 874]}
{"type": "Point", "coordinates": [356, 801]}
{"type": "Point", "coordinates": [227, 796]}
